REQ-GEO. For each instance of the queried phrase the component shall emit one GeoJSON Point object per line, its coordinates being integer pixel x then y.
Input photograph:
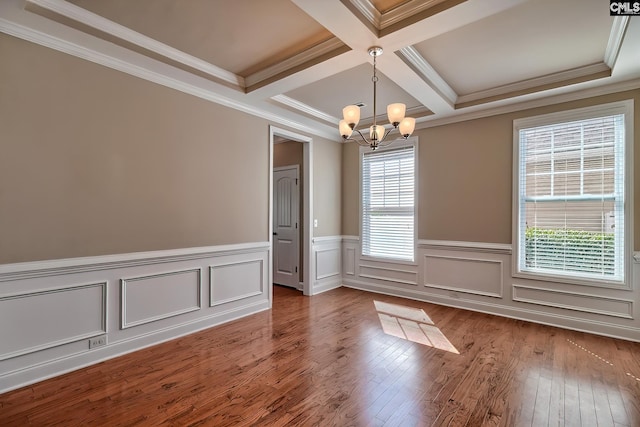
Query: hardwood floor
{"type": "Point", "coordinates": [326, 361]}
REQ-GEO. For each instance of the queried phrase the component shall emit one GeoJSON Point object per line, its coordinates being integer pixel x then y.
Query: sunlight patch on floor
{"type": "Point", "coordinates": [411, 324]}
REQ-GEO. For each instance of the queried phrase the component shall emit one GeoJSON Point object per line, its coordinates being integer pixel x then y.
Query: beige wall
{"type": "Point", "coordinates": [327, 187]}
{"type": "Point", "coordinates": [94, 161]}
{"type": "Point", "coordinates": [465, 176]}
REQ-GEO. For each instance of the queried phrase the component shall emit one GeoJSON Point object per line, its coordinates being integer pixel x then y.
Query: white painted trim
{"type": "Point", "coordinates": [467, 290]}
{"type": "Point", "coordinates": [326, 285]}
{"type": "Point", "coordinates": [304, 108]}
{"type": "Point", "coordinates": [333, 273]}
{"type": "Point", "coordinates": [414, 142]}
{"type": "Point", "coordinates": [387, 278]}
{"type": "Point", "coordinates": [411, 56]}
{"type": "Point", "coordinates": [213, 303]}
{"type": "Point", "coordinates": [42, 371]}
{"type": "Point", "coordinates": [349, 253]}
{"type": "Point", "coordinates": [534, 83]}
{"type": "Point", "coordinates": [284, 66]}
{"type": "Point", "coordinates": [327, 239]}
{"type": "Point", "coordinates": [27, 270]}
{"type": "Point", "coordinates": [170, 77]}
{"type": "Point", "coordinates": [68, 340]}
{"type": "Point", "coordinates": [351, 239]}
{"type": "Point", "coordinates": [398, 14]}
{"type": "Point", "coordinates": [452, 245]}
{"type": "Point", "coordinates": [123, 297]}
{"type": "Point", "coordinates": [76, 13]}
{"type": "Point", "coordinates": [627, 315]}
{"type": "Point", "coordinates": [307, 203]}
{"type": "Point", "coordinates": [405, 11]}
{"type": "Point", "coordinates": [368, 12]}
{"type": "Point", "coordinates": [616, 36]}
{"type": "Point", "coordinates": [625, 107]}
{"type": "Point", "coordinates": [481, 112]}
{"type": "Point", "coordinates": [556, 320]}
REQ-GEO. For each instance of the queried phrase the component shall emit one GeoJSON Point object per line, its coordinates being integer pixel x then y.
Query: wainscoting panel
{"type": "Point", "coordinates": [236, 280]}
{"type": "Point", "coordinates": [38, 321]}
{"type": "Point", "coordinates": [454, 273]}
{"type": "Point", "coordinates": [477, 276]}
{"type": "Point", "coordinates": [149, 298]}
{"type": "Point", "coordinates": [349, 261]}
{"type": "Point", "coordinates": [574, 301]}
{"type": "Point", "coordinates": [327, 263]}
{"type": "Point", "coordinates": [399, 274]}
{"type": "Point", "coordinates": [327, 254]}
{"type": "Point", "coordinates": [49, 310]}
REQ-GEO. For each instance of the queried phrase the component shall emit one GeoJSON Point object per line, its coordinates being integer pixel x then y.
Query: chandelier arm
{"type": "Point", "coordinates": [384, 136]}
{"type": "Point", "coordinates": [364, 139]}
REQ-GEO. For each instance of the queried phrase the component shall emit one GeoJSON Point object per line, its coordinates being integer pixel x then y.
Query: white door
{"type": "Point", "coordinates": [286, 235]}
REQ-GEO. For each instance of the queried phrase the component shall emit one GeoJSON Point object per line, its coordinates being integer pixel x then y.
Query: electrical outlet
{"type": "Point", "coordinates": [98, 341]}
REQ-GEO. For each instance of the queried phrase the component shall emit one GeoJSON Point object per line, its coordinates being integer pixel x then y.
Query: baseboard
{"type": "Point", "coordinates": [560, 321]}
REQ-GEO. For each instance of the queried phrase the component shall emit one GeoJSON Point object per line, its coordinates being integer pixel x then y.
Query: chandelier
{"type": "Point", "coordinates": [377, 133]}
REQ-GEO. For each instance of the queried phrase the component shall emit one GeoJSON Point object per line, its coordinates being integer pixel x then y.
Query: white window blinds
{"type": "Point", "coordinates": [571, 198]}
{"type": "Point", "coordinates": [388, 203]}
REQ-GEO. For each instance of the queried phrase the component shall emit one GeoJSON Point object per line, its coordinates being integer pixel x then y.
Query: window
{"type": "Point", "coordinates": [388, 208]}
{"type": "Point", "coordinates": [571, 212]}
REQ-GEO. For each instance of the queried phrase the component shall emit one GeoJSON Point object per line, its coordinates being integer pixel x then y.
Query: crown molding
{"type": "Point", "coordinates": [510, 90]}
{"type": "Point", "coordinates": [78, 14]}
{"type": "Point", "coordinates": [405, 11]}
{"type": "Point", "coordinates": [420, 65]}
{"type": "Point", "coordinates": [396, 15]}
{"type": "Point", "coordinates": [324, 48]}
{"type": "Point", "coordinates": [168, 79]}
{"type": "Point", "coordinates": [368, 12]}
{"type": "Point", "coordinates": [616, 36]}
{"type": "Point", "coordinates": [304, 108]}
{"type": "Point", "coordinates": [431, 121]}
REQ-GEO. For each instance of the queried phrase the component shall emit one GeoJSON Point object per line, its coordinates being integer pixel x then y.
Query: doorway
{"type": "Point", "coordinates": [283, 270]}
{"type": "Point", "coordinates": [286, 214]}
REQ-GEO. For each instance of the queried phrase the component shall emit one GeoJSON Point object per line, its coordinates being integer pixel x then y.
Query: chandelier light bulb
{"type": "Point", "coordinates": [351, 115]}
{"type": "Point", "coordinates": [407, 126]}
{"type": "Point", "coordinates": [395, 113]}
{"type": "Point", "coordinates": [376, 132]}
{"type": "Point", "coordinates": [345, 129]}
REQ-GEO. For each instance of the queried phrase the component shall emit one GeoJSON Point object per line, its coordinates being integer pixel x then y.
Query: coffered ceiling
{"type": "Point", "coordinates": [298, 62]}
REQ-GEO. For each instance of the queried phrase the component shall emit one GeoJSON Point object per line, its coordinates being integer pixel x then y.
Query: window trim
{"type": "Point", "coordinates": [626, 108]}
{"type": "Point", "coordinates": [410, 142]}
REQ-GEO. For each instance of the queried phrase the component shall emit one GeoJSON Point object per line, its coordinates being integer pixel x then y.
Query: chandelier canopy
{"type": "Point", "coordinates": [377, 133]}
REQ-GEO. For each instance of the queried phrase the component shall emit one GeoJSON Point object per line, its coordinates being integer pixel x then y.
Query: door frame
{"type": "Point", "coordinates": [308, 264]}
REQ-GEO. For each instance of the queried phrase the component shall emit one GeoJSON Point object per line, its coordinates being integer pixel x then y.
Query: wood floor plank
{"type": "Point", "coordinates": [326, 361]}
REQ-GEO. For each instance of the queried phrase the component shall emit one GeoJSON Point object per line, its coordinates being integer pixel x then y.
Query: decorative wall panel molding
{"type": "Point", "coordinates": [399, 275]}
{"type": "Point", "coordinates": [36, 321]}
{"type": "Point", "coordinates": [327, 254]}
{"type": "Point", "coordinates": [236, 280]}
{"type": "Point", "coordinates": [451, 245]}
{"type": "Point", "coordinates": [454, 273]}
{"type": "Point", "coordinates": [327, 263]}
{"type": "Point", "coordinates": [154, 297]}
{"type": "Point", "coordinates": [49, 310]}
{"type": "Point", "coordinates": [472, 275]}
{"type": "Point", "coordinates": [349, 262]}
{"type": "Point", "coordinates": [574, 301]}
